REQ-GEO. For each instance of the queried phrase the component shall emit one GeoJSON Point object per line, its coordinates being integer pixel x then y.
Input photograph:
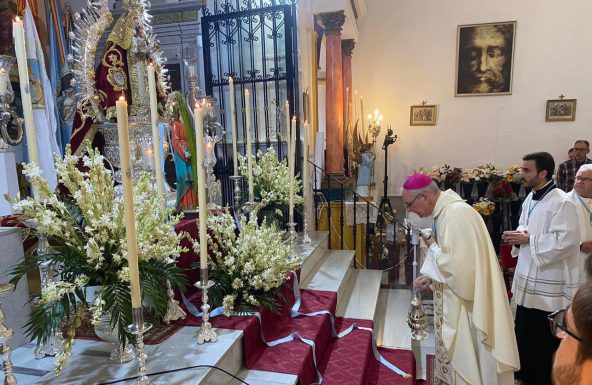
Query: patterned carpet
{"type": "Point", "coordinates": [431, 380]}
{"type": "Point", "coordinates": [346, 361]}
{"type": "Point", "coordinates": [154, 336]}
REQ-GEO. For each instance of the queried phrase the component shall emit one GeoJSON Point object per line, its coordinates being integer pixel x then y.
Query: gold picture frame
{"type": "Point", "coordinates": [423, 115]}
{"type": "Point", "coordinates": [560, 110]}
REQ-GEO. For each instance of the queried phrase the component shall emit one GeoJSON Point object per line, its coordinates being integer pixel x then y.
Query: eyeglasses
{"type": "Point", "coordinates": [559, 326]}
{"type": "Point", "coordinates": [583, 179]}
{"type": "Point", "coordinates": [408, 205]}
{"type": "Point", "coordinates": [581, 149]}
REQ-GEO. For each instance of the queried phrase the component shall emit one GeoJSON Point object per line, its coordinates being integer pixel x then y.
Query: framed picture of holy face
{"type": "Point", "coordinates": [485, 57]}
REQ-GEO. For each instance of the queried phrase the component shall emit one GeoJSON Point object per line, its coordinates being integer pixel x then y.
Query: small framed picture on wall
{"type": "Point", "coordinates": [423, 115]}
{"type": "Point", "coordinates": [561, 110]}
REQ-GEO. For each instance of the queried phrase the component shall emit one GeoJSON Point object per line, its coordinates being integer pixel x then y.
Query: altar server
{"type": "Point", "coordinates": [547, 274]}
{"type": "Point", "coordinates": [475, 341]}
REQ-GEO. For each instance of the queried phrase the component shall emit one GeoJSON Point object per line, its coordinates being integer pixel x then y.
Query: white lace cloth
{"type": "Point", "coordinates": [361, 213]}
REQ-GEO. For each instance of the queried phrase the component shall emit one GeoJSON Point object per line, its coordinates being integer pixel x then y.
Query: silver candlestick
{"type": "Point", "coordinates": [292, 231]}
{"type": "Point", "coordinates": [53, 345]}
{"type": "Point", "coordinates": [305, 237]}
{"type": "Point", "coordinates": [206, 333]}
{"type": "Point", "coordinates": [237, 191]}
{"type": "Point", "coordinates": [138, 328]}
{"type": "Point", "coordinates": [5, 334]}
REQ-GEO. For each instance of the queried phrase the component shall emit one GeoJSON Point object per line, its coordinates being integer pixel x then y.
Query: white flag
{"type": "Point", "coordinates": [43, 100]}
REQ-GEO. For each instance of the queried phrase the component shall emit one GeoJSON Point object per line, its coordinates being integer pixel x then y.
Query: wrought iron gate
{"type": "Point", "coordinates": [254, 42]}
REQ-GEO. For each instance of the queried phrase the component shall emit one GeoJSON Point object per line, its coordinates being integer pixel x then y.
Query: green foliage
{"type": "Point", "coordinates": [86, 233]}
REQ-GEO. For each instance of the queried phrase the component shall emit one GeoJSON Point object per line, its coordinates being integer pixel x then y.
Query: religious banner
{"type": "Point", "coordinates": [43, 101]}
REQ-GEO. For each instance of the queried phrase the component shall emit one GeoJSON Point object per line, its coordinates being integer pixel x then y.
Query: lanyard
{"type": "Point", "coordinates": [586, 207]}
{"type": "Point", "coordinates": [535, 204]}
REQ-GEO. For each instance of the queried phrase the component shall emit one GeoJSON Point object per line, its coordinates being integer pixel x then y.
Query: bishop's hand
{"type": "Point", "coordinates": [422, 283]}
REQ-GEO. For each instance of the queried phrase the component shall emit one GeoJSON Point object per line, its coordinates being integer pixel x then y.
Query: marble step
{"type": "Point", "coordinates": [90, 361]}
{"type": "Point", "coordinates": [312, 253]}
{"type": "Point", "coordinates": [333, 272]}
{"type": "Point", "coordinates": [258, 377]}
{"type": "Point", "coordinates": [361, 301]}
{"type": "Point", "coordinates": [391, 318]}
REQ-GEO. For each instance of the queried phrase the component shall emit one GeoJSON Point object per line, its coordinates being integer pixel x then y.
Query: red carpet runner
{"type": "Point", "coordinates": [345, 361]}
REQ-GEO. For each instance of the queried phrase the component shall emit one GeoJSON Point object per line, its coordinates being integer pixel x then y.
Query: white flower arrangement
{"type": "Point", "coordinates": [271, 181]}
{"type": "Point", "coordinates": [86, 231]}
{"type": "Point", "coordinates": [249, 266]}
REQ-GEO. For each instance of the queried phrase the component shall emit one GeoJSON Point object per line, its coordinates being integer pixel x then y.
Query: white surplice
{"type": "Point", "coordinates": [584, 208]}
{"type": "Point", "coordinates": [548, 269]}
{"type": "Point", "coordinates": [475, 341]}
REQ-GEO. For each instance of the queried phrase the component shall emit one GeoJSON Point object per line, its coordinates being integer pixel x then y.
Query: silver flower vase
{"type": "Point", "coordinates": [106, 332]}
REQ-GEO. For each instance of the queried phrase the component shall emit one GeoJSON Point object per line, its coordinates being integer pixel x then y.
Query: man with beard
{"type": "Point", "coordinates": [485, 59]}
{"type": "Point", "coordinates": [547, 244]}
{"type": "Point", "coordinates": [573, 360]}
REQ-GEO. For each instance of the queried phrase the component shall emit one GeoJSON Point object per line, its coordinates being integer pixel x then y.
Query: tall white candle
{"type": "Point", "coordinates": [355, 104]}
{"type": "Point", "coordinates": [233, 126]}
{"type": "Point", "coordinates": [305, 165]}
{"type": "Point", "coordinates": [292, 163]}
{"type": "Point", "coordinates": [362, 119]}
{"type": "Point", "coordinates": [346, 119]}
{"type": "Point", "coordinates": [128, 201]}
{"type": "Point", "coordinates": [18, 33]}
{"type": "Point", "coordinates": [249, 150]}
{"type": "Point", "coordinates": [201, 186]}
{"type": "Point", "coordinates": [287, 109]}
{"type": "Point", "coordinates": [155, 133]}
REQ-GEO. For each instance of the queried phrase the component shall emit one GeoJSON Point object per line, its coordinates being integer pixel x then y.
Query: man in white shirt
{"type": "Point", "coordinates": [547, 243]}
{"type": "Point", "coordinates": [581, 196]}
{"type": "Point", "coordinates": [475, 341]}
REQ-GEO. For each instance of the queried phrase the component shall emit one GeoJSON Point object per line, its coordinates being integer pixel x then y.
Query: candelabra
{"type": "Point", "coordinates": [213, 131]}
{"type": "Point", "coordinates": [11, 125]}
{"type": "Point", "coordinates": [213, 134]}
{"type": "Point", "coordinates": [138, 328]}
{"type": "Point", "coordinates": [206, 333]}
{"type": "Point", "coordinates": [374, 126]}
{"type": "Point", "coordinates": [5, 334]}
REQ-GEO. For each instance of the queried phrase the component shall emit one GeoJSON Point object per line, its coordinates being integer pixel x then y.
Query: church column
{"type": "Point", "coordinates": [333, 22]}
{"type": "Point", "coordinates": [347, 48]}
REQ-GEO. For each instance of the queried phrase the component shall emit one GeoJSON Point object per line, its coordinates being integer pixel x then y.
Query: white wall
{"type": "Point", "coordinates": [406, 53]}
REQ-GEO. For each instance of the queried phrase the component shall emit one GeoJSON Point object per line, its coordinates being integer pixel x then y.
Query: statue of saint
{"type": "Point", "coordinates": [122, 71]}
{"type": "Point", "coordinates": [186, 196]}
{"type": "Point", "coordinates": [365, 169]}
